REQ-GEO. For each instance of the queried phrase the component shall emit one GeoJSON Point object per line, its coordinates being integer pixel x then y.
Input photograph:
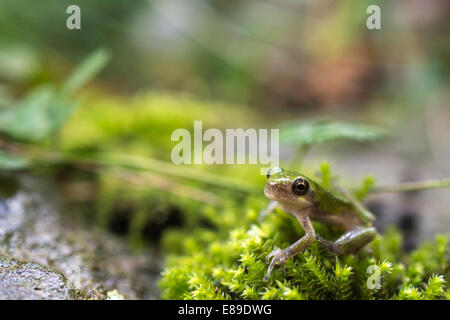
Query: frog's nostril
{"type": "Point", "coordinates": [273, 170]}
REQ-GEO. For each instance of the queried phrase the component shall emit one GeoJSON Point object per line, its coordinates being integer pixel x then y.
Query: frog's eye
{"type": "Point", "coordinates": [300, 187]}
{"type": "Point", "coordinates": [268, 173]}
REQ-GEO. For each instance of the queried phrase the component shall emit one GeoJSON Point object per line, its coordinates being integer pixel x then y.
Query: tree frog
{"type": "Point", "coordinates": [306, 200]}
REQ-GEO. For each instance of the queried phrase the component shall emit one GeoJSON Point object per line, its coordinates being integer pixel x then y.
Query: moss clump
{"type": "Point", "coordinates": [210, 266]}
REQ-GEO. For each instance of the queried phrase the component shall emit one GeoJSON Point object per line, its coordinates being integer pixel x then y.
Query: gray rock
{"type": "Point", "coordinates": [29, 280]}
{"type": "Point", "coordinates": [37, 229]}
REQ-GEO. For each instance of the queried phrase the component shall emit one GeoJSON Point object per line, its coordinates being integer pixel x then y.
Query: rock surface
{"type": "Point", "coordinates": [45, 254]}
{"type": "Point", "coordinates": [31, 280]}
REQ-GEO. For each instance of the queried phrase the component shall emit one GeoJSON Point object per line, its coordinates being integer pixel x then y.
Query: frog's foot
{"type": "Point", "coordinates": [281, 256]}
{"type": "Point", "coordinates": [278, 256]}
{"type": "Point", "coordinates": [273, 253]}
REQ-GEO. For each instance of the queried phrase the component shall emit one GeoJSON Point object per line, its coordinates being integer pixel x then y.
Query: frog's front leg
{"type": "Point", "coordinates": [270, 207]}
{"type": "Point", "coordinates": [351, 241]}
{"type": "Point", "coordinates": [281, 256]}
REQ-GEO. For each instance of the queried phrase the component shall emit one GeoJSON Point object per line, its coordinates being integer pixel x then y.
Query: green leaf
{"type": "Point", "coordinates": [318, 131]}
{"type": "Point", "coordinates": [43, 110]}
{"type": "Point", "coordinates": [28, 120]}
{"type": "Point", "coordinates": [85, 71]}
{"type": "Point", "coordinates": [12, 162]}
{"type": "Point", "coordinates": [37, 116]}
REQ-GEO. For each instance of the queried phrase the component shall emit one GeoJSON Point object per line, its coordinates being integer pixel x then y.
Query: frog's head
{"type": "Point", "coordinates": [289, 188]}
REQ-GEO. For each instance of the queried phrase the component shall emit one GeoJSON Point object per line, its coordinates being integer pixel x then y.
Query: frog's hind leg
{"type": "Point", "coordinates": [281, 256]}
{"type": "Point", "coordinates": [351, 241]}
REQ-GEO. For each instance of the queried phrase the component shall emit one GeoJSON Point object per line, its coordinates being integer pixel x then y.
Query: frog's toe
{"type": "Point", "coordinates": [278, 257]}
{"type": "Point", "coordinates": [274, 252]}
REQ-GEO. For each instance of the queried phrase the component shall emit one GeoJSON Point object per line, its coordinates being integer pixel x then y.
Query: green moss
{"type": "Point", "coordinates": [204, 265]}
{"type": "Point", "coordinates": [155, 193]}
{"type": "Point", "coordinates": [143, 124]}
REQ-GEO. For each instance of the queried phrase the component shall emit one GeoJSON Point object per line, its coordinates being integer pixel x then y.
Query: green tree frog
{"type": "Point", "coordinates": [306, 200]}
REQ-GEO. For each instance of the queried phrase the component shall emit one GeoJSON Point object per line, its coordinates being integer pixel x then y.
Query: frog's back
{"type": "Point", "coordinates": [336, 209]}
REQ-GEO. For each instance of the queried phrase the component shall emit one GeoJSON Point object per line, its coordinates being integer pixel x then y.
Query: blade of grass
{"type": "Point", "coordinates": [88, 68]}
{"type": "Point", "coordinates": [150, 164]}
{"type": "Point", "coordinates": [151, 181]}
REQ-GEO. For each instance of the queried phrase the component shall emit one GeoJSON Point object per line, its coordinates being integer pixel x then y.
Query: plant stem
{"type": "Point", "coordinates": [131, 162]}
{"type": "Point", "coordinates": [412, 186]}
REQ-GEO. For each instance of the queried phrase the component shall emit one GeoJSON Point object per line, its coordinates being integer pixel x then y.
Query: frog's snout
{"type": "Point", "coordinates": [275, 191]}
{"type": "Point", "coordinates": [266, 190]}
{"type": "Point", "coordinates": [269, 191]}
